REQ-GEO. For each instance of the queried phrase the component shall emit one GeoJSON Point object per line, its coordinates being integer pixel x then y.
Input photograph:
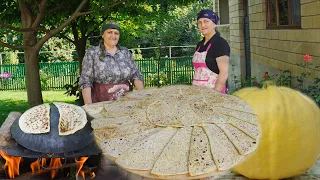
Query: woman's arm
{"type": "Point", "coordinates": [86, 94]}
{"type": "Point", "coordinates": [138, 84]}
{"type": "Point", "coordinates": [86, 78]}
{"type": "Point", "coordinates": [223, 65]}
{"type": "Point", "coordinates": [136, 77]}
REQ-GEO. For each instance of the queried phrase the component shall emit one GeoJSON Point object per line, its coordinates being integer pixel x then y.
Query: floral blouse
{"type": "Point", "coordinates": [110, 69]}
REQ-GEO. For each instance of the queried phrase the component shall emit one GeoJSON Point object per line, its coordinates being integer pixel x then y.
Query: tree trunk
{"type": "Point", "coordinates": [31, 59]}
{"type": "Point", "coordinates": [81, 50]}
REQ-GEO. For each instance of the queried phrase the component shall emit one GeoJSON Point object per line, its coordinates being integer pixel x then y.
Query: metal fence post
{"type": "Point", "coordinates": [0, 58]}
{"type": "Point", "coordinates": [158, 84]}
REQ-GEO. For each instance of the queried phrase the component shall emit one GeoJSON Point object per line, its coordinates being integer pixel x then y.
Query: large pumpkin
{"type": "Point", "coordinates": [290, 141]}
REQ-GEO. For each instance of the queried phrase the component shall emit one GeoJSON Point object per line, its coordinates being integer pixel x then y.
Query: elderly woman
{"type": "Point", "coordinates": [211, 59]}
{"type": "Point", "coordinates": [108, 68]}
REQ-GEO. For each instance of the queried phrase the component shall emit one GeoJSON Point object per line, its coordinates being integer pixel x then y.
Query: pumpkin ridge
{"type": "Point", "coordinates": [290, 123]}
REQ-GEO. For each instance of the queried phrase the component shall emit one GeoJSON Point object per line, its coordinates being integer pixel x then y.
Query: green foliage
{"type": "Point", "coordinates": [73, 89]}
{"type": "Point", "coordinates": [44, 79]}
{"type": "Point", "coordinates": [11, 58]}
{"type": "Point", "coordinates": [285, 78]}
{"type": "Point", "coordinates": [183, 79]}
{"type": "Point", "coordinates": [159, 80]}
{"type": "Point", "coordinates": [4, 79]}
{"type": "Point", "coordinates": [149, 25]}
{"type": "Point", "coordinates": [57, 50]}
{"type": "Point", "coordinates": [136, 53]}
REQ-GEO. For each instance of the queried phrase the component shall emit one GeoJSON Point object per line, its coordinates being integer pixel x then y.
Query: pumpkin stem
{"type": "Point", "coordinates": [266, 84]}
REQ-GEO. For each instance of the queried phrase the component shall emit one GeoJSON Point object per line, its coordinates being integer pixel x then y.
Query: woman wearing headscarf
{"type": "Point", "coordinates": [108, 68]}
{"type": "Point", "coordinates": [211, 59]}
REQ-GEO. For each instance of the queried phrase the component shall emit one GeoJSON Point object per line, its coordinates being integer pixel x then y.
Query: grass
{"type": "Point", "coordinates": [17, 101]}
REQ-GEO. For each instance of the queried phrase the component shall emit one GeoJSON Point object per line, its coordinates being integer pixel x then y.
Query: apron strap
{"type": "Point", "coordinates": [198, 49]}
{"type": "Point", "coordinates": [209, 46]}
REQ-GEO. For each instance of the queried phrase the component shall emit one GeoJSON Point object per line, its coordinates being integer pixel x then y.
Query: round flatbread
{"type": "Point", "coordinates": [72, 118]}
{"type": "Point", "coordinates": [177, 132]}
{"type": "Point", "coordinates": [36, 120]}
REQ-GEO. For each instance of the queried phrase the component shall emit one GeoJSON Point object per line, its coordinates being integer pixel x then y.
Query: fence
{"type": "Point", "coordinates": [156, 72]}
{"type": "Point", "coordinates": [58, 55]}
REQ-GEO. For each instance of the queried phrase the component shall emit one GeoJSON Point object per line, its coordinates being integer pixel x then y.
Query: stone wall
{"type": "Point", "coordinates": [274, 48]}
{"type": "Point", "coordinates": [236, 41]}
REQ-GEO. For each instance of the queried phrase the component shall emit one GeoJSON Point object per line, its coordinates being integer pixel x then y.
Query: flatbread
{"type": "Point", "coordinates": [244, 116]}
{"type": "Point", "coordinates": [199, 132]}
{"type": "Point", "coordinates": [244, 143]}
{"type": "Point", "coordinates": [113, 122]}
{"type": "Point", "coordinates": [120, 108]}
{"type": "Point", "coordinates": [118, 145]}
{"type": "Point", "coordinates": [225, 154]}
{"type": "Point", "coordinates": [251, 130]}
{"type": "Point", "coordinates": [143, 155]}
{"type": "Point", "coordinates": [238, 106]}
{"type": "Point", "coordinates": [170, 113]}
{"type": "Point", "coordinates": [200, 158]}
{"type": "Point", "coordinates": [207, 112]}
{"type": "Point", "coordinates": [72, 118]}
{"type": "Point", "coordinates": [121, 131]}
{"type": "Point", "coordinates": [174, 158]}
{"type": "Point", "coordinates": [94, 110]}
{"type": "Point", "coordinates": [36, 120]}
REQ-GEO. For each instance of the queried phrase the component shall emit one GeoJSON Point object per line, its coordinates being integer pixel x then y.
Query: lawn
{"type": "Point", "coordinates": [17, 101]}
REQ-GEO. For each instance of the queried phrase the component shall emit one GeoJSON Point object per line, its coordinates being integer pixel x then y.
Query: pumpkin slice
{"type": "Point", "coordinates": [200, 158]}
{"type": "Point", "coordinates": [36, 120]}
{"type": "Point", "coordinates": [225, 155]}
{"type": "Point", "coordinates": [118, 145]}
{"type": "Point", "coordinates": [174, 157]}
{"type": "Point", "coordinates": [143, 155]}
{"type": "Point", "coordinates": [72, 118]}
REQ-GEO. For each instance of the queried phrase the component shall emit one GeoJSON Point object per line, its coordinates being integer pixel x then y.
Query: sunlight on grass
{"type": "Point", "coordinates": [17, 101]}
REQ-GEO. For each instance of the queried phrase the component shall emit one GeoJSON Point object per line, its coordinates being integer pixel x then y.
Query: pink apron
{"type": "Point", "coordinates": [203, 76]}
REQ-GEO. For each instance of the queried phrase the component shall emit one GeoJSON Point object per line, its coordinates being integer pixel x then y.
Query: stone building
{"type": "Point", "coordinates": [266, 35]}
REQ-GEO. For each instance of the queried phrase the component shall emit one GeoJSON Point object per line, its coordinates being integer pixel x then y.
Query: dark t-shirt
{"type": "Point", "coordinates": [219, 47]}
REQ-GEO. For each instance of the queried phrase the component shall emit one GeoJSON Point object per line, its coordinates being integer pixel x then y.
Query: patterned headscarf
{"type": "Point", "coordinates": [110, 25]}
{"type": "Point", "coordinates": [207, 13]}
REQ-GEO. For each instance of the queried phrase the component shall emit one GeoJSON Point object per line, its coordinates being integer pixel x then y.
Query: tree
{"type": "Point", "coordinates": [34, 23]}
{"type": "Point", "coordinates": [33, 14]}
{"type": "Point", "coordinates": [133, 17]}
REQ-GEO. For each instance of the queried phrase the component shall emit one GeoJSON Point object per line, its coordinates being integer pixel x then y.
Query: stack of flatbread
{"type": "Point", "coordinates": [36, 120]}
{"type": "Point", "coordinates": [175, 132]}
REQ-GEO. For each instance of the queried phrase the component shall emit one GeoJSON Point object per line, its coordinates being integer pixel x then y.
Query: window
{"type": "Point", "coordinates": [283, 14]}
{"type": "Point", "coordinates": [224, 11]}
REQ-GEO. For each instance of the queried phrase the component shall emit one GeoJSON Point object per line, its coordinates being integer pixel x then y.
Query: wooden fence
{"type": "Point", "coordinates": [56, 75]}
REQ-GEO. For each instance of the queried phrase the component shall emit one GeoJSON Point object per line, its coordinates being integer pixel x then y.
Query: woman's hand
{"type": "Point", "coordinates": [86, 94]}
{"type": "Point", "coordinates": [138, 84]}
{"type": "Point", "coordinates": [223, 65]}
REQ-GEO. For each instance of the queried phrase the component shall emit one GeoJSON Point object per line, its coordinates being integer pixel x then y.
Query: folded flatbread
{"type": "Point", "coordinates": [72, 118]}
{"type": "Point", "coordinates": [36, 120]}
